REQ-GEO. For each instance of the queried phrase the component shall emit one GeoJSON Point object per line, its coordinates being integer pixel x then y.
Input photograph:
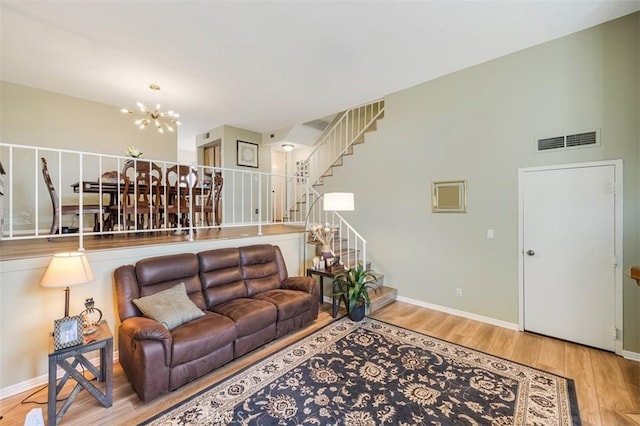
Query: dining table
{"type": "Point", "coordinates": [114, 189]}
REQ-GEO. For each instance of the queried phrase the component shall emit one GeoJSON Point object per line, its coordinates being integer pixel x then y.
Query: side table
{"type": "Point", "coordinates": [101, 340]}
{"type": "Point", "coordinates": [335, 300]}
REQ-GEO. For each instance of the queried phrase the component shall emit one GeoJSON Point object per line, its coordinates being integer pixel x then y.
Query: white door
{"type": "Point", "coordinates": [569, 247]}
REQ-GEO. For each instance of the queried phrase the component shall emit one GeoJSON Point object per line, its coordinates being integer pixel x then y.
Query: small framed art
{"type": "Point", "coordinates": [247, 154]}
{"type": "Point", "coordinates": [67, 332]}
{"type": "Point", "coordinates": [449, 196]}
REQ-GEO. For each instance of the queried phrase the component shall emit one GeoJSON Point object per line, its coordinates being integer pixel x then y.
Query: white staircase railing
{"type": "Point", "coordinates": [336, 142]}
{"type": "Point", "coordinates": [247, 198]}
{"type": "Point", "coordinates": [347, 242]}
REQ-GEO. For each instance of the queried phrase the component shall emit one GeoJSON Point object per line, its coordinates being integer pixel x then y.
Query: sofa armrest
{"type": "Point", "coordinates": [306, 284]}
{"type": "Point", "coordinates": [143, 328]}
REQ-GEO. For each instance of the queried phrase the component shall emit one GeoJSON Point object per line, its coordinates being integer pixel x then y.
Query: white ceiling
{"type": "Point", "coordinates": [264, 65]}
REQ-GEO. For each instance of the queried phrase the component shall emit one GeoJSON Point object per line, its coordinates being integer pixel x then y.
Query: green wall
{"type": "Point", "coordinates": [481, 124]}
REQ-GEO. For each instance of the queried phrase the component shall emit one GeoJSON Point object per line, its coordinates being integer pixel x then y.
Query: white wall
{"type": "Point", "coordinates": [30, 116]}
{"type": "Point", "coordinates": [27, 310]}
{"type": "Point", "coordinates": [34, 117]}
{"type": "Point", "coordinates": [480, 124]}
{"type": "Point", "coordinates": [250, 191]}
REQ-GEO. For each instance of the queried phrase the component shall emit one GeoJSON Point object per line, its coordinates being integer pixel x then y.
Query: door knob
{"type": "Point", "coordinates": [531, 252]}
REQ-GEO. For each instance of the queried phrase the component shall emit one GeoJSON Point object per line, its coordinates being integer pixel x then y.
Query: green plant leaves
{"type": "Point", "coordinates": [355, 283]}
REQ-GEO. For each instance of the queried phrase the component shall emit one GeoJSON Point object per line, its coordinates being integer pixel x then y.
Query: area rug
{"type": "Point", "coordinates": [374, 373]}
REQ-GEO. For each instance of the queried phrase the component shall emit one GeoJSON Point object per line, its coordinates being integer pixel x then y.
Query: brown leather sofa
{"type": "Point", "coordinates": [247, 299]}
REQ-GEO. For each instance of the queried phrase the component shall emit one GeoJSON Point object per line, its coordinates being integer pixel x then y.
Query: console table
{"type": "Point", "coordinates": [101, 340]}
{"type": "Point", "coordinates": [335, 300]}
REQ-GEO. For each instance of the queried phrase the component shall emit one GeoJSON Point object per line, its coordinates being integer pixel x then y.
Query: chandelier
{"type": "Point", "coordinates": [162, 120]}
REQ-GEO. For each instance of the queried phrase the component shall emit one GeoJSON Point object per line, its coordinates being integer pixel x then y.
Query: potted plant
{"type": "Point", "coordinates": [354, 284]}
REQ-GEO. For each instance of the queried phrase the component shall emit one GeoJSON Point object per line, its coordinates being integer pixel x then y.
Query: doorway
{"type": "Point", "coordinates": [570, 232]}
{"type": "Point", "coordinates": [278, 185]}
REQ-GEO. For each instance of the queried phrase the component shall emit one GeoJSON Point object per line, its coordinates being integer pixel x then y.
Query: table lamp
{"type": "Point", "coordinates": [66, 270]}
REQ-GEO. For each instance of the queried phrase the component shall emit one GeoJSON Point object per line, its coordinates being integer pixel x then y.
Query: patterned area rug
{"type": "Point", "coordinates": [374, 373]}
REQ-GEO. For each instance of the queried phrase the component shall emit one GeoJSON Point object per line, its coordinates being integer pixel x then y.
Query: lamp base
{"type": "Point", "coordinates": [89, 330]}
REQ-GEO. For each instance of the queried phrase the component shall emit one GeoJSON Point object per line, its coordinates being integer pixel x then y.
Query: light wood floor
{"type": "Point", "coordinates": [20, 249]}
{"type": "Point", "coordinates": [608, 386]}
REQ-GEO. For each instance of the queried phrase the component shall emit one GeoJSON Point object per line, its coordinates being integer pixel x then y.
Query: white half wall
{"type": "Point", "coordinates": [27, 311]}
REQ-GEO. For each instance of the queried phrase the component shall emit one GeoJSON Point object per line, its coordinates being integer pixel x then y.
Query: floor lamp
{"type": "Point", "coordinates": [333, 202]}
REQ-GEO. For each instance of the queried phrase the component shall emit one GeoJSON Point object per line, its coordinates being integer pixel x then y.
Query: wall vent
{"type": "Point", "coordinates": [576, 140]}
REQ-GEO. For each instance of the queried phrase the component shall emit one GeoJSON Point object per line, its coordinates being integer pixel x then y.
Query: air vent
{"type": "Point", "coordinates": [551, 143]}
{"type": "Point", "coordinates": [581, 139]}
{"type": "Point", "coordinates": [576, 140]}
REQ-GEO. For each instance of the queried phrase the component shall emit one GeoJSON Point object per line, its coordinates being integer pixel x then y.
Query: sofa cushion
{"type": "Point", "coordinates": [161, 272]}
{"type": "Point", "coordinates": [201, 337]}
{"type": "Point", "coordinates": [260, 268]}
{"type": "Point", "coordinates": [289, 302]}
{"type": "Point", "coordinates": [249, 315]}
{"type": "Point", "coordinates": [221, 276]}
{"type": "Point", "coordinates": [171, 307]}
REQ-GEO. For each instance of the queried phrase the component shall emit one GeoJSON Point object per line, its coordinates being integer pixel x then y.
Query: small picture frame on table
{"type": "Point", "coordinates": [67, 332]}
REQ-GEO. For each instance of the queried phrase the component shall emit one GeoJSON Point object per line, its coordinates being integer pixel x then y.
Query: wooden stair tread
{"type": "Point", "coordinates": [384, 296]}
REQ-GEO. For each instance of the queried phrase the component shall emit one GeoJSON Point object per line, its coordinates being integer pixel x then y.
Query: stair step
{"type": "Point", "coordinates": [379, 278]}
{"type": "Point", "coordinates": [384, 296]}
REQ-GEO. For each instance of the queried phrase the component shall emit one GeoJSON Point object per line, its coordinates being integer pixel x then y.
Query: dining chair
{"type": "Point", "coordinates": [69, 209]}
{"type": "Point", "coordinates": [179, 184]}
{"type": "Point", "coordinates": [139, 201]}
{"type": "Point", "coordinates": [211, 206]}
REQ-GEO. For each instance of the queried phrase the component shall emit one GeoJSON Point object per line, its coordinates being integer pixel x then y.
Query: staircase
{"type": "Point", "coordinates": [347, 130]}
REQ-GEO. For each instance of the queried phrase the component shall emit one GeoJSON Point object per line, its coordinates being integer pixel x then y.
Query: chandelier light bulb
{"type": "Point", "coordinates": [158, 117]}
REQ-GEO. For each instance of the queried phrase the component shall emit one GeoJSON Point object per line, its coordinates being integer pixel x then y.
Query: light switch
{"type": "Point", "coordinates": [490, 234]}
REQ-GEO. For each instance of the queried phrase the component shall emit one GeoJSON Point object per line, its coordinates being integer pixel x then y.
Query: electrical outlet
{"type": "Point", "coordinates": [256, 211]}
{"type": "Point", "coordinates": [458, 292]}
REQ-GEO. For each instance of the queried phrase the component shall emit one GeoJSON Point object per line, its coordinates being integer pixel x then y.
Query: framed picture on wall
{"type": "Point", "coordinates": [247, 154]}
{"type": "Point", "coordinates": [449, 196]}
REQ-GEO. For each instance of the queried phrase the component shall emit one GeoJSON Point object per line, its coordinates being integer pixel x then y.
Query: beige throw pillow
{"type": "Point", "coordinates": [171, 307]}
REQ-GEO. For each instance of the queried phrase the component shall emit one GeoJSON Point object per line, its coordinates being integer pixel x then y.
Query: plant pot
{"type": "Point", "coordinates": [358, 312]}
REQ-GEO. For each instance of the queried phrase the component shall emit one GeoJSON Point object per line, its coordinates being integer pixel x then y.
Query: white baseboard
{"type": "Point", "coordinates": [633, 356]}
{"type": "Point", "coordinates": [456, 312]}
{"type": "Point", "coordinates": [43, 380]}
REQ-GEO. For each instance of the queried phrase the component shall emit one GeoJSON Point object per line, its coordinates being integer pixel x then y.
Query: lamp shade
{"type": "Point", "coordinates": [338, 201]}
{"type": "Point", "coordinates": [67, 269]}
